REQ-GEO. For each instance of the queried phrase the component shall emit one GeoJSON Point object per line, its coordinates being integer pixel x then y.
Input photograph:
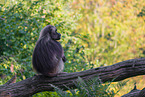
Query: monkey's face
{"type": "Point", "coordinates": [54, 34]}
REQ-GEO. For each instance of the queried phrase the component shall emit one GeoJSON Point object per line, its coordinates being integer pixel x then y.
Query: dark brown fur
{"type": "Point", "coordinates": [48, 56]}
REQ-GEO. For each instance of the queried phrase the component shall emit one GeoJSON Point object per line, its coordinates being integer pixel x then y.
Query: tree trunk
{"type": "Point", "coordinates": [35, 84]}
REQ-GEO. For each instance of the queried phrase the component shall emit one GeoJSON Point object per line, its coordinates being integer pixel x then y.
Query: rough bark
{"type": "Point", "coordinates": [35, 84]}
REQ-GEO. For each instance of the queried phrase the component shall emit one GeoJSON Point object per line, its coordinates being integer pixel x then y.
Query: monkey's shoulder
{"type": "Point", "coordinates": [56, 43]}
{"type": "Point", "coordinates": [49, 46]}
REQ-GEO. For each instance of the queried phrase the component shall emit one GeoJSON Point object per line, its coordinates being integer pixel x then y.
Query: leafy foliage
{"type": "Point", "coordinates": [24, 21]}
{"type": "Point", "coordinates": [111, 30]}
{"type": "Point", "coordinates": [142, 13]}
{"type": "Point", "coordinates": [90, 88]}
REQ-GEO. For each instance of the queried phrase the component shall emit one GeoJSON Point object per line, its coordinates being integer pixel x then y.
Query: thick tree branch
{"type": "Point", "coordinates": [35, 84]}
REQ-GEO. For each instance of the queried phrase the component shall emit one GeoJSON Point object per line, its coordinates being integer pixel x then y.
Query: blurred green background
{"type": "Point", "coordinates": [94, 33]}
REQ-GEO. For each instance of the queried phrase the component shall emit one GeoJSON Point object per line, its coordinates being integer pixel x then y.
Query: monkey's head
{"type": "Point", "coordinates": [50, 32]}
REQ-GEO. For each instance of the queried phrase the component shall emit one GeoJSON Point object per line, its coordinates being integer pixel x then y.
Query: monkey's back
{"type": "Point", "coordinates": [47, 56]}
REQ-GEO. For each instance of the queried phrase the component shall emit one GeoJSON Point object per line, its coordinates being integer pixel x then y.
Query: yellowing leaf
{"type": "Point", "coordinates": [25, 46]}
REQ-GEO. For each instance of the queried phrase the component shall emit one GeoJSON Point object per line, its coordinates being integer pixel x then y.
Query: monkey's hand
{"type": "Point", "coordinates": [64, 59]}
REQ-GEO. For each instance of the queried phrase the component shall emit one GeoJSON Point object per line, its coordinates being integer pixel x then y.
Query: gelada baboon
{"type": "Point", "coordinates": [48, 55]}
